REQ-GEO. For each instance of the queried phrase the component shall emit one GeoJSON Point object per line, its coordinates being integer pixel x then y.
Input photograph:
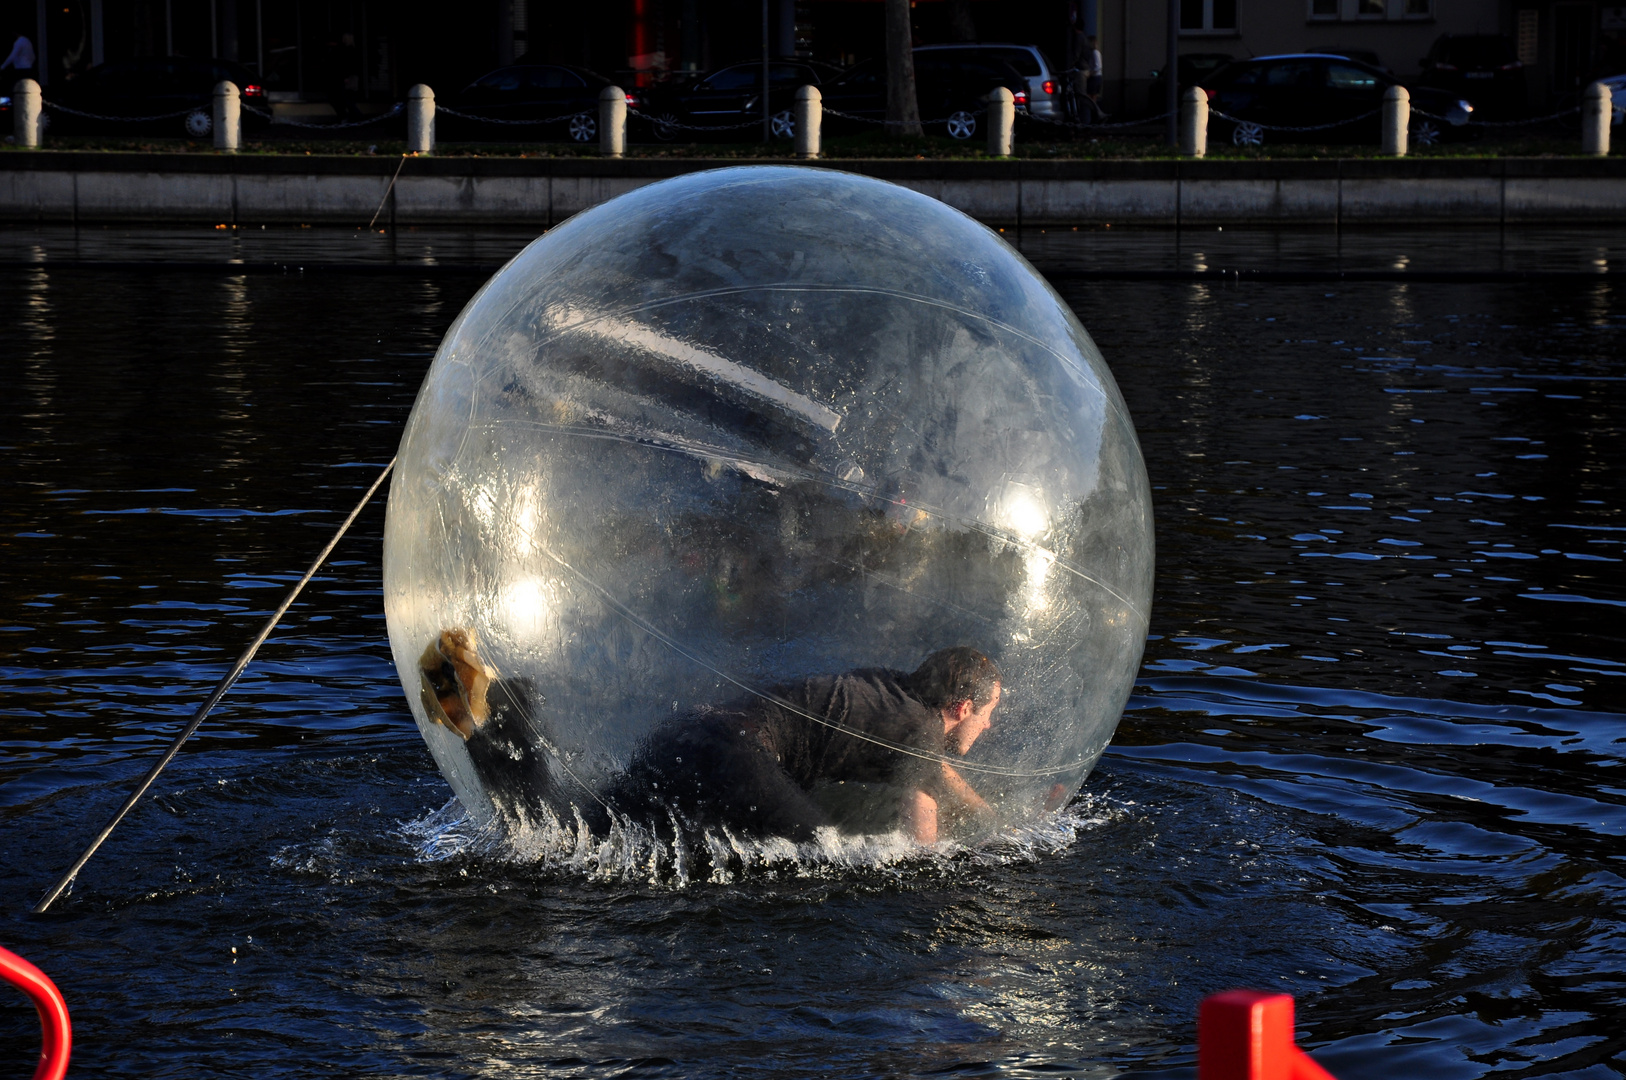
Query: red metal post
{"type": "Point", "coordinates": [56, 1039]}
{"type": "Point", "coordinates": [1248, 1035]}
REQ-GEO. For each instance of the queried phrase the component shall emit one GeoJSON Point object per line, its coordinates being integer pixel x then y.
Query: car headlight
{"type": "Point", "coordinates": [4, 101]}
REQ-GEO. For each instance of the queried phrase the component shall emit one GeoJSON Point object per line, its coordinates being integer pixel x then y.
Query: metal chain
{"type": "Point", "coordinates": [120, 119]}
{"type": "Point", "coordinates": [516, 123]}
{"type": "Point", "coordinates": [1088, 127]}
{"type": "Point", "coordinates": [1279, 127]}
{"type": "Point", "coordinates": [394, 109]}
{"type": "Point", "coordinates": [871, 120]}
{"type": "Point", "coordinates": [677, 125]}
{"type": "Point", "coordinates": [1498, 123]}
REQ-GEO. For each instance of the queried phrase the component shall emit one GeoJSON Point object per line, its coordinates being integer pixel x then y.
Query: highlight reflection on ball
{"type": "Point", "coordinates": [741, 428]}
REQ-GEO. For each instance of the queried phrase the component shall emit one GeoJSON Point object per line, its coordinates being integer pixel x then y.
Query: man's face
{"type": "Point", "coordinates": [966, 732]}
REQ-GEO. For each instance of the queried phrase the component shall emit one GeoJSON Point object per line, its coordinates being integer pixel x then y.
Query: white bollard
{"type": "Point", "coordinates": [1001, 122]}
{"type": "Point", "coordinates": [612, 121]}
{"type": "Point", "coordinates": [1597, 113]}
{"type": "Point", "coordinates": [809, 120]}
{"type": "Point", "coordinates": [228, 117]}
{"type": "Point", "coordinates": [1396, 120]}
{"type": "Point", "coordinates": [420, 120]}
{"type": "Point", "coordinates": [25, 112]}
{"type": "Point", "coordinates": [1194, 122]}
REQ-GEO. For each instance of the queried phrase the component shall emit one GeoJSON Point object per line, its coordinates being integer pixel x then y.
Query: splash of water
{"type": "Point", "coordinates": [681, 854]}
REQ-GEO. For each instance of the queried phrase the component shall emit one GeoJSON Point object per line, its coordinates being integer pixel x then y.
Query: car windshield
{"type": "Point", "coordinates": [1198, 67]}
{"type": "Point", "coordinates": [1478, 52]}
{"type": "Point", "coordinates": [742, 77]}
{"type": "Point", "coordinates": [1236, 75]}
{"type": "Point", "coordinates": [551, 78]}
{"type": "Point", "coordinates": [1344, 77]}
{"type": "Point", "coordinates": [1290, 73]}
{"type": "Point", "coordinates": [502, 79]}
{"type": "Point", "coordinates": [1022, 60]}
{"type": "Point", "coordinates": [866, 74]}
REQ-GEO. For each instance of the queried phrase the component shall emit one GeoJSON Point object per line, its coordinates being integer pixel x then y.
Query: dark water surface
{"type": "Point", "coordinates": [1374, 760]}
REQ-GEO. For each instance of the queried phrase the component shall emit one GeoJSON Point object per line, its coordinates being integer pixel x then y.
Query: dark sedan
{"type": "Point", "coordinates": [1250, 98]}
{"type": "Point", "coordinates": [950, 88]}
{"type": "Point", "coordinates": [729, 100]}
{"type": "Point", "coordinates": [1484, 68]}
{"type": "Point", "coordinates": [151, 96]}
{"type": "Point", "coordinates": [525, 101]}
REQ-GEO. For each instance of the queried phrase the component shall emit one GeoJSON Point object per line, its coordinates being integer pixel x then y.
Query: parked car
{"type": "Point", "coordinates": [731, 96]}
{"type": "Point", "coordinates": [1193, 69]}
{"type": "Point", "coordinates": [950, 91]}
{"type": "Point", "coordinates": [1484, 68]}
{"type": "Point", "coordinates": [1617, 92]}
{"type": "Point", "coordinates": [1043, 80]}
{"type": "Point", "coordinates": [1303, 90]}
{"type": "Point", "coordinates": [525, 101]}
{"type": "Point", "coordinates": [120, 96]}
{"type": "Point", "coordinates": [1365, 56]}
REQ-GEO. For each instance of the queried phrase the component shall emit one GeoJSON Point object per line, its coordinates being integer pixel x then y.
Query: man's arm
{"type": "Point", "coordinates": [920, 818]}
{"type": "Point", "coordinates": [962, 796]}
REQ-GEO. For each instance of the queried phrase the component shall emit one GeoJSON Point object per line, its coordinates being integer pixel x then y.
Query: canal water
{"type": "Point", "coordinates": [1374, 759]}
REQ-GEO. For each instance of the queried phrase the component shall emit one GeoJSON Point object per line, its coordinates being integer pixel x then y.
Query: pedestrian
{"type": "Point", "coordinates": [21, 58]}
{"type": "Point", "coordinates": [868, 751]}
{"type": "Point", "coordinates": [344, 77]}
{"type": "Point", "coordinates": [1092, 81]}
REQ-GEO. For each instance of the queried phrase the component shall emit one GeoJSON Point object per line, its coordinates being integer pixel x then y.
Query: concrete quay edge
{"type": "Point", "coordinates": [86, 187]}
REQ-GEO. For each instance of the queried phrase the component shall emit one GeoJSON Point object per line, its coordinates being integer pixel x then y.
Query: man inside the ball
{"type": "Point", "coordinates": [864, 751]}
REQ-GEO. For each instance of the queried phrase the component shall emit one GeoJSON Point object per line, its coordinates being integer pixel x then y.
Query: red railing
{"type": "Point", "coordinates": [56, 1041]}
{"type": "Point", "coordinates": [1248, 1035]}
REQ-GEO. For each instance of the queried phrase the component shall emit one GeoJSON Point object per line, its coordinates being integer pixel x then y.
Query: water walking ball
{"type": "Point", "coordinates": [745, 426]}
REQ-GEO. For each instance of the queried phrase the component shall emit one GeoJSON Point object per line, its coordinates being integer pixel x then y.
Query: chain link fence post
{"type": "Point", "coordinates": [420, 120]}
{"type": "Point", "coordinates": [26, 111]}
{"type": "Point", "coordinates": [228, 117]}
{"type": "Point", "coordinates": [1396, 120]}
{"type": "Point", "coordinates": [809, 122]}
{"type": "Point", "coordinates": [612, 121]}
{"type": "Point", "coordinates": [1194, 122]}
{"type": "Point", "coordinates": [1001, 122]}
{"type": "Point", "coordinates": [1597, 112]}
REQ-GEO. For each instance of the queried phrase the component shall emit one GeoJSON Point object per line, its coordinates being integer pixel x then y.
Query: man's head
{"type": "Point", "coordinates": [1091, 40]}
{"type": "Point", "coordinates": [964, 686]}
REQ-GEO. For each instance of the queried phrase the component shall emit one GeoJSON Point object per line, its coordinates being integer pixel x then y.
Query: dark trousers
{"type": "Point", "coordinates": [714, 770]}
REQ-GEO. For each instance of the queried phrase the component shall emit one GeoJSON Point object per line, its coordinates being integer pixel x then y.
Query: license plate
{"type": "Point", "coordinates": [1481, 75]}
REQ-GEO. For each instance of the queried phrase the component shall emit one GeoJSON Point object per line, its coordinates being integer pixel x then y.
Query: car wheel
{"type": "Point", "coordinates": [584, 127]}
{"type": "Point", "coordinates": [199, 123]}
{"type": "Point", "coordinates": [962, 124]}
{"type": "Point", "coordinates": [1247, 134]}
{"type": "Point", "coordinates": [784, 124]}
{"type": "Point", "coordinates": [666, 126]}
{"type": "Point", "coordinates": [1426, 132]}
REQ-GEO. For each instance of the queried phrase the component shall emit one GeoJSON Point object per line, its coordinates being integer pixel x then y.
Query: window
{"type": "Point", "coordinates": [1368, 10]}
{"type": "Point", "coordinates": [1207, 17]}
{"type": "Point", "coordinates": [1529, 19]}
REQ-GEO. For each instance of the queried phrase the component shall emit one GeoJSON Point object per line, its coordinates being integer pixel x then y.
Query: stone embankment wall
{"type": "Point", "coordinates": [248, 190]}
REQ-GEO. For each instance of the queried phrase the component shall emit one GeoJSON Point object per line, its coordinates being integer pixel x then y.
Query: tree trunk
{"type": "Point", "coordinates": [902, 106]}
{"type": "Point", "coordinates": [960, 25]}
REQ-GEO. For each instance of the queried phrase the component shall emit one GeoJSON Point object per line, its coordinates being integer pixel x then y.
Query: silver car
{"type": "Point", "coordinates": [1044, 85]}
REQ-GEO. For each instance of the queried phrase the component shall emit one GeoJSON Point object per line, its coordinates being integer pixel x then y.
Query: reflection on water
{"type": "Point", "coordinates": [1372, 759]}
